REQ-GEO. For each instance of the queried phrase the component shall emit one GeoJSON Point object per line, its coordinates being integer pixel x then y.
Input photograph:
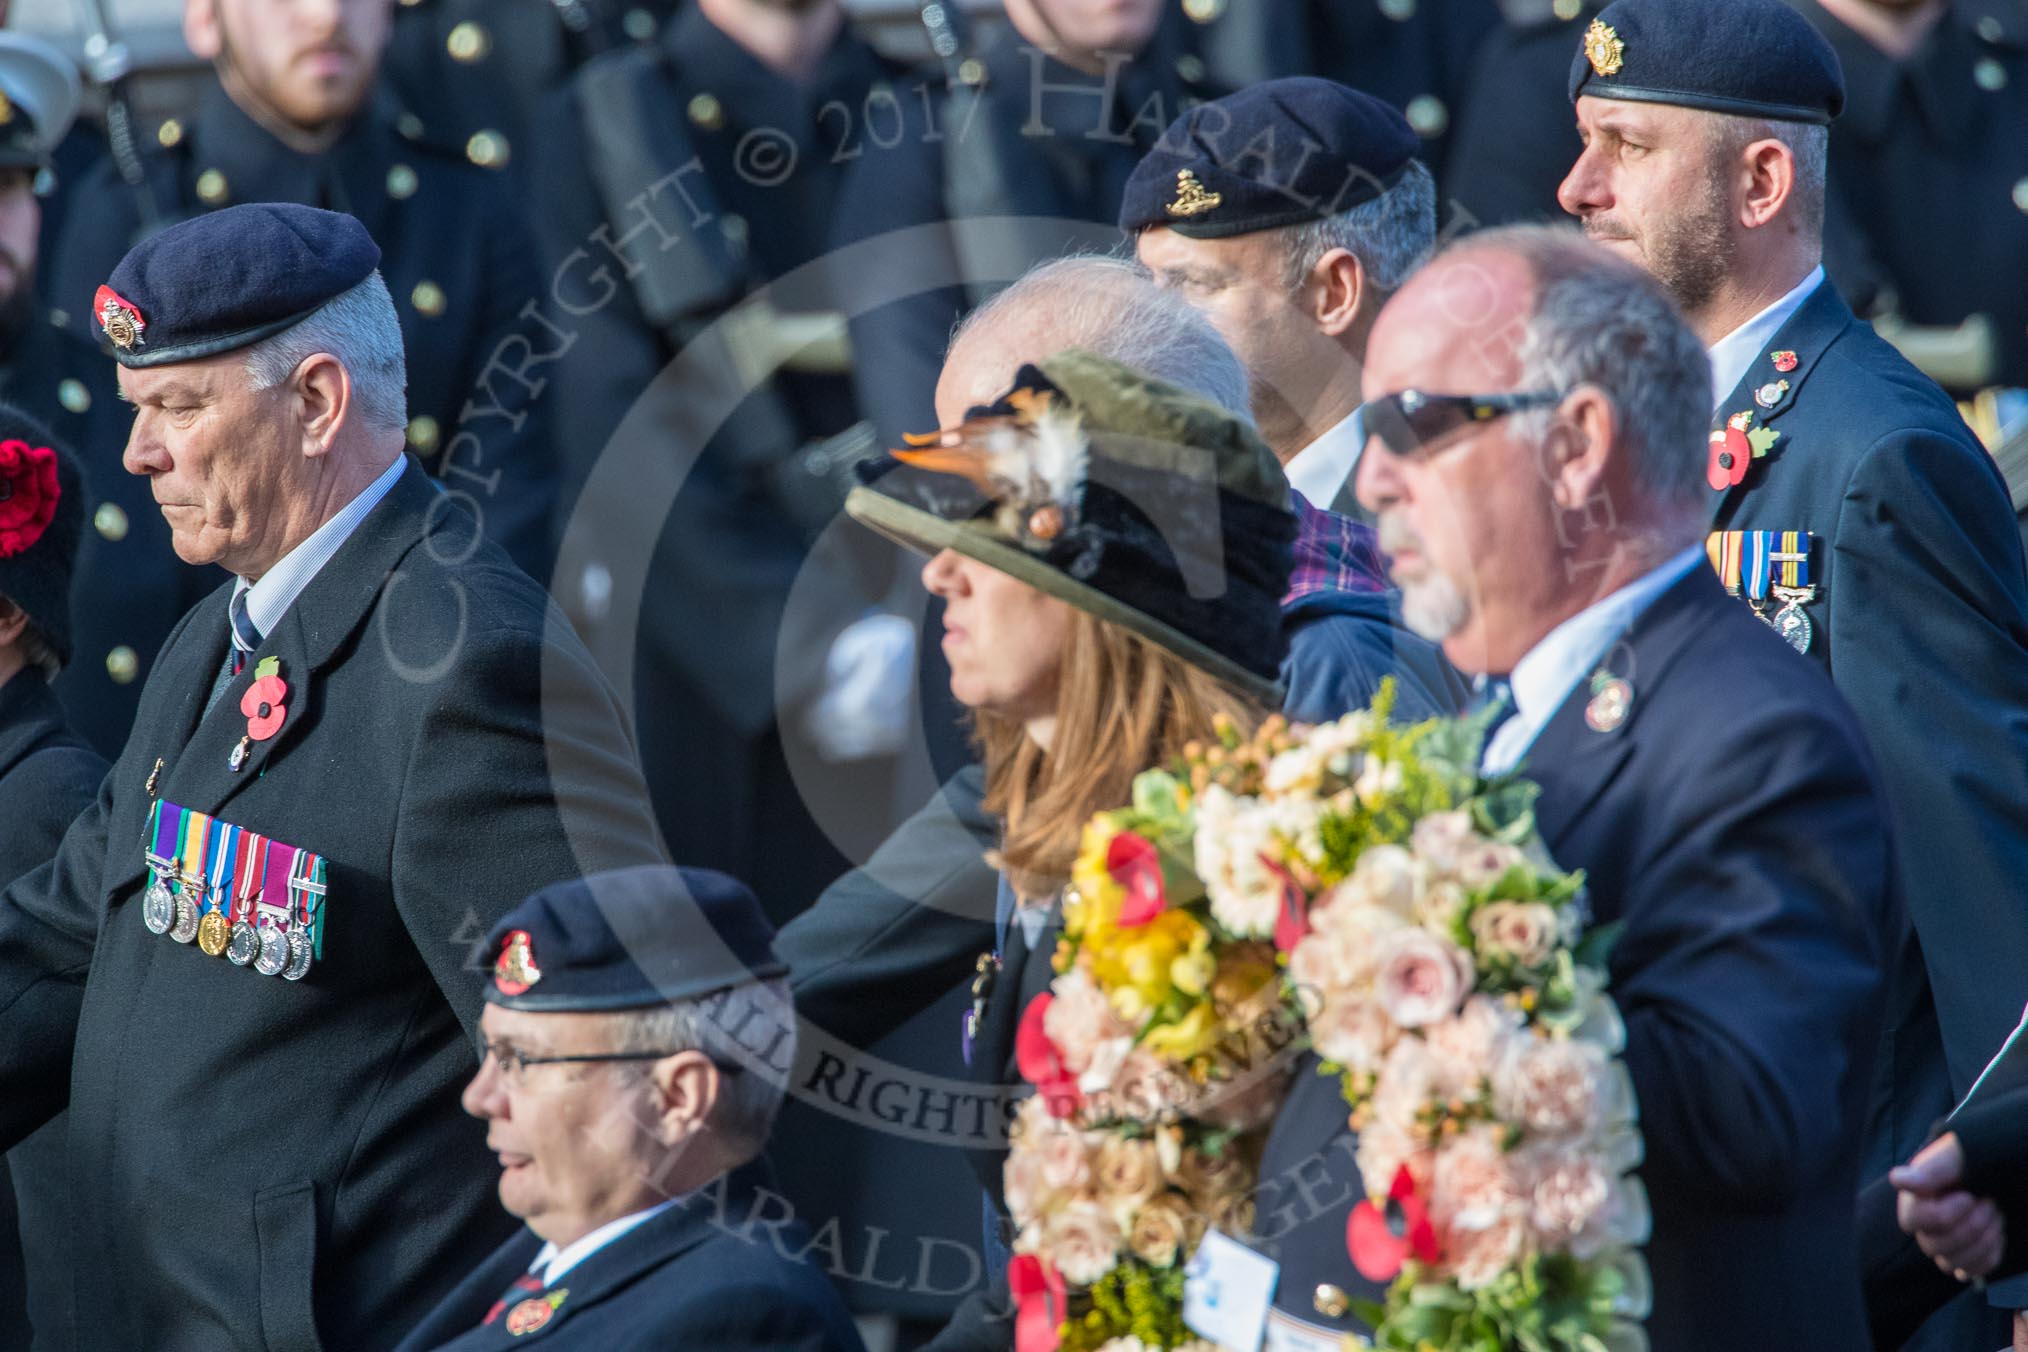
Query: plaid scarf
{"type": "Point", "coordinates": [1332, 554]}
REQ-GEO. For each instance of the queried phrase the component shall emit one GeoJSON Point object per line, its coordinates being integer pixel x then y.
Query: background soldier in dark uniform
{"type": "Point", "coordinates": [1848, 500]}
{"type": "Point", "coordinates": [47, 777]}
{"type": "Point", "coordinates": [299, 115]}
{"type": "Point", "coordinates": [129, 587]}
{"type": "Point", "coordinates": [257, 1160]}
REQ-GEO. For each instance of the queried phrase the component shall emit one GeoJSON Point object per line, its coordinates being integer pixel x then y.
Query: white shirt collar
{"type": "Point", "coordinates": [1543, 679]}
{"type": "Point", "coordinates": [1321, 469]}
{"type": "Point", "coordinates": [552, 1262]}
{"type": "Point", "coordinates": [1733, 355]}
{"type": "Point", "coordinates": [270, 598]}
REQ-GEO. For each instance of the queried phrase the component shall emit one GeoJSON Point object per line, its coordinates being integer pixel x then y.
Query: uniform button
{"type": "Point", "coordinates": [1991, 29]}
{"type": "Point", "coordinates": [736, 231]}
{"type": "Point", "coordinates": [428, 298]}
{"type": "Point", "coordinates": [706, 112]}
{"type": "Point", "coordinates": [487, 149]}
{"type": "Point", "coordinates": [123, 664]}
{"type": "Point", "coordinates": [972, 71]}
{"type": "Point", "coordinates": [61, 319]}
{"type": "Point", "coordinates": [401, 182]}
{"type": "Point", "coordinates": [211, 187]}
{"type": "Point", "coordinates": [1427, 114]}
{"type": "Point", "coordinates": [170, 132]}
{"type": "Point", "coordinates": [1331, 1301]}
{"type": "Point", "coordinates": [1401, 11]}
{"type": "Point", "coordinates": [1189, 69]}
{"type": "Point", "coordinates": [422, 433]}
{"type": "Point", "coordinates": [75, 397]}
{"type": "Point", "coordinates": [1990, 75]}
{"type": "Point", "coordinates": [1203, 11]}
{"type": "Point", "coordinates": [410, 4]}
{"type": "Point", "coordinates": [639, 25]}
{"type": "Point", "coordinates": [110, 521]}
{"type": "Point", "coordinates": [1567, 9]}
{"type": "Point", "coordinates": [468, 42]}
{"type": "Point", "coordinates": [2021, 194]}
{"type": "Point", "coordinates": [409, 125]}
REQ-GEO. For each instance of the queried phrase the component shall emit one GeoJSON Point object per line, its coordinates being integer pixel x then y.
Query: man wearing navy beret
{"type": "Point", "coordinates": [1849, 504]}
{"type": "Point", "coordinates": [245, 971]}
{"type": "Point", "coordinates": [1288, 213]}
{"type": "Point", "coordinates": [635, 1047]}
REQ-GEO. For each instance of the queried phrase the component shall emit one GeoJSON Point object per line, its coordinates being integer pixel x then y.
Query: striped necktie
{"type": "Point", "coordinates": [245, 635]}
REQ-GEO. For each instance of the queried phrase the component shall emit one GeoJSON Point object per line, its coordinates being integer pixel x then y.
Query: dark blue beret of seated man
{"type": "Point", "coordinates": [227, 279]}
{"type": "Point", "coordinates": [638, 1036]}
{"type": "Point", "coordinates": [1749, 58]}
{"type": "Point", "coordinates": [1278, 153]}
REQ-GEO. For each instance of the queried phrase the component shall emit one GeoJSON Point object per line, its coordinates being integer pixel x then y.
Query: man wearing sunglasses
{"type": "Point", "coordinates": [1846, 500]}
{"type": "Point", "coordinates": [634, 1050]}
{"type": "Point", "coordinates": [1538, 409]}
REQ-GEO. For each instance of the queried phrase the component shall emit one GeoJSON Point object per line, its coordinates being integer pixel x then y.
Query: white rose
{"type": "Point", "coordinates": [1079, 1019]}
{"type": "Point", "coordinates": [1352, 1031]}
{"type": "Point", "coordinates": [1464, 1050]}
{"type": "Point", "coordinates": [1299, 770]}
{"type": "Point", "coordinates": [1377, 779]}
{"type": "Point", "coordinates": [1022, 1182]}
{"type": "Point", "coordinates": [1481, 863]}
{"type": "Point", "coordinates": [1438, 906]}
{"type": "Point", "coordinates": [1406, 1085]}
{"type": "Point", "coordinates": [1422, 978]}
{"type": "Point", "coordinates": [1386, 877]}
{"type": "Point", "coordinates": [1525, 931]}
{"type": "Point", "coordinates": [1473, 1182]}
{"type": "Point", "coordinates": [1441, 837]}
{"type": "Point", "coordinates": [1551, 1087]}
{"type": "Point", "coordinates": [1083, 1241]}
{"type": "Point", "coordinates": [1232, 835]}
{"type": "Point", "coordinates": [1065, 1165]}
{"type": "Point", "coordinates": [1477, 1255]}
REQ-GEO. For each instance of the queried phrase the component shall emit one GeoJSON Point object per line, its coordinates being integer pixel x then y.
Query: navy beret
{"type": "Point", "coordinates": [1281, 152]}
{"type": "Point", "coordinates": [228, 279]}
{"type": "Point", "coordinates": [1749, 58]}
{"type": "Point", "coordinates": [629, 939]}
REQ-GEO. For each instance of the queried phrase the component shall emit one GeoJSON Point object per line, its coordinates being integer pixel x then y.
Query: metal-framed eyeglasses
{"type": "Point", "coordinates": [1409, 422]}
{"type": "Point", "coordinates": [514, 1062]}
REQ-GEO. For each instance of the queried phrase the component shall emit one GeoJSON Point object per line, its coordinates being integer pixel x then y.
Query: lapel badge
{"type": "Point", "coordinates": [532, 1313]}
{"type": "Point", "coordinates": [1784, 360]}
{"type": "Point", "coordinates": [515, 970]}
{"type": "Point", "coordinates": [119, 317]}
{"type": "Point", "coordinates": [1603, 48]}
{"type": "Point", "coordinates": [1731, 453]}
{"type": "Point", "coordinates": [1191, 197]}
{"type": "Point", "coordinates": [1612, 699]}
{"type": "Point", "coordinates": [1770, 394]}
{"type": "Point", "coordinates": [264, 709]}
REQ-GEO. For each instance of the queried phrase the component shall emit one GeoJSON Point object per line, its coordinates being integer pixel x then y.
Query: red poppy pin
{"type": "Point", "coordinates": [1731, 453]}
{"type": "Point", "coordinates": [119, 317]}
{"type": "Point", "coordinates": [1382, 1238]}
{"type": "Point", "coordinates": [28, 495]}
{"type": "Point", "coordinates": [1785, 360]}
{"type": "Point", "coordinates": [262, 703]}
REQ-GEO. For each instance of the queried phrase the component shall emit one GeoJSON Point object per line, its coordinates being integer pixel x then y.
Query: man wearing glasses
{"type": "Point", "coordinates": [634, 1049]}
{"type": "Point", "coordinates": [1538, 414]}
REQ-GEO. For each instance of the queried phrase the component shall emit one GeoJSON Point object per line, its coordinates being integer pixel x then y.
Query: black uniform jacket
{"type": "Point", "coordinates": [266, 1163]}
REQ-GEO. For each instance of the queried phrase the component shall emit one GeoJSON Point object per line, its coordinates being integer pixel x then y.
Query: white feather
{"type": "Point", "coordinates": [1057, 456]}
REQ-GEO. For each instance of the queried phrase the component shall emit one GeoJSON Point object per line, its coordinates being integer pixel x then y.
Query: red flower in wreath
{"type": "Point", "coordinates": [1381, 1238]}
{"type": "Point", "coordinates": [28, 495]}
{"type": "Point", "coordinates": [1041, 1064]}
{"type": "Point", "coordinates": [1136, 865]}
{"type": "Point", "coordinates": [262, 705]}
{"type": "Point", "coordinates": [1040, 1303]}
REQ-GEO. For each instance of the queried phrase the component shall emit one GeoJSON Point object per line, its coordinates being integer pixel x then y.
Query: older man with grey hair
{"type": "Point", "coordinates": [245, 971]}
{"type": "Point", "coordinates": [1536, 411]}
{"type": "Point", "coordinates": [1289, 212]}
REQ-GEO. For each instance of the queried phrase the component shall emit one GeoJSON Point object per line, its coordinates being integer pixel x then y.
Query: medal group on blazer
{"type": "Point", "coordinates": [253, 901]}
{"type": "Point", "coordinates": [1759, 564]}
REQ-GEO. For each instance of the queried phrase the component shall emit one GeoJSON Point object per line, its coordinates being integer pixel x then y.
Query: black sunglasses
{"type": "Point", "coordinates": [1407, 423]}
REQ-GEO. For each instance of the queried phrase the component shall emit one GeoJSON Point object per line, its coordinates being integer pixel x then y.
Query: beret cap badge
{"type": "Point", "coordinates": [1603, 48]}
{"type": "Point", "coordinates": [515, 970]}
{"type": "Point", "coordinates": [1191, 197]}
{"type": "Point", "coordinates": [118, 317]}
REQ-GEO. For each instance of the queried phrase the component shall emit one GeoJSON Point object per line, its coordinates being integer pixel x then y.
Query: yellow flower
{"type": "Point", "coordinates": [1192, 972]}
{"type": "Point", "coordinates": [1192, 1035]}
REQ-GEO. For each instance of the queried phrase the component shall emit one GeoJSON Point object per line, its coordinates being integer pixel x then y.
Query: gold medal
{"type": "Point", "coordinates": [213, 933]}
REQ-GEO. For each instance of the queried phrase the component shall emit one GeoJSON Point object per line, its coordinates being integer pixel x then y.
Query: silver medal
{"type": "Point", "coordinates": [158, 907]}
{"type": "Point", "coordinates": [299, 956]}
{"type": "Point", "coordinates": [1794, 626]}
{"type": "Point", "coordinates": [274, 954]}
{"type": "Point", "coordinates": [244, 946]}
{"type": "Point", "coordinates": [184, 927]}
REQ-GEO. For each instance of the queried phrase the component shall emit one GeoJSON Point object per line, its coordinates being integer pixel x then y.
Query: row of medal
{"type": "Point", "coordinates": [1759, 563]}
{"type": "Point", "coordinates": [253, 901]}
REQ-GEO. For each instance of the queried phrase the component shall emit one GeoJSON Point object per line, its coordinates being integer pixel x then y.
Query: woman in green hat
{"type": "Point", "coordinates": [1111, 552]}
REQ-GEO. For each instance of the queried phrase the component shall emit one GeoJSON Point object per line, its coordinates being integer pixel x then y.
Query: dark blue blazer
{"type": "Point", "coordinates": [1921, 618]}
{"type": "Point", "coordinates": [699, 1276]}
{"type": "Point", "coordinates": [1734, 824]}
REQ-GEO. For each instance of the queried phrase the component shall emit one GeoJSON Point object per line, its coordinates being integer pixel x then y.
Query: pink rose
{"type": "Point", "coordinates": [1161, 1233]}
{"type": "Point", "coordinates": [1478, 1255]}
{"type": "Point", "coordinates": [1422, 978]}
{"type": "Point", "coordinates": [1023, 1184]}
{"type": "Point", "coordinates": [1065, 1164]}
{"type": "Point", "coordinates": [1386, 877]}
{"type": "Point", "coordinates": [1551, 1087]}
{"type": "Point", "coordinates": [1079, 1019]}
{"type": "Point", "coordinates": [1474, 1182]}
{"type": "Point", "coordinates": [1441, 837]}
{"type": "Point", "coordinates": [1126, 1173]}
{"type": "Point", "coordinates": [1526, 931]}
{"type": "Point", "coordinates": [1083, 1241]}
{"type": "Point", "coordinates": [1484, 862]}
{"type": "Point", "coordinates": [1353, 1032]}
{"type": "Point", "coordinates": [1464, 1050]}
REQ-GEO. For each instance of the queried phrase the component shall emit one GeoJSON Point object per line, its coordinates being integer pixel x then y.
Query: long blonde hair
{"type": "Point", "coordinates": [1123, 705]}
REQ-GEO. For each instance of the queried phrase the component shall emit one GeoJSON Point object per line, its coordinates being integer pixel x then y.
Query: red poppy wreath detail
{"type": "Point", "coordinates": [28, 495]}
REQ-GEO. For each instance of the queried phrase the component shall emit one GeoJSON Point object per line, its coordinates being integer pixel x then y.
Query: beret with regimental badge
{"type": "Point", "coordinates": [39, 95]}
{"type": "Point", "coordinates": [1748, 58]}
{"type": "Point", "coordinates": [1133, 500]}
{"type": "Point", "coordinates": [1278, 153]}
{"type": "Point", "coordinates": [630, 939]}
{"type": "Point", "coordinates": [227, 279]}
